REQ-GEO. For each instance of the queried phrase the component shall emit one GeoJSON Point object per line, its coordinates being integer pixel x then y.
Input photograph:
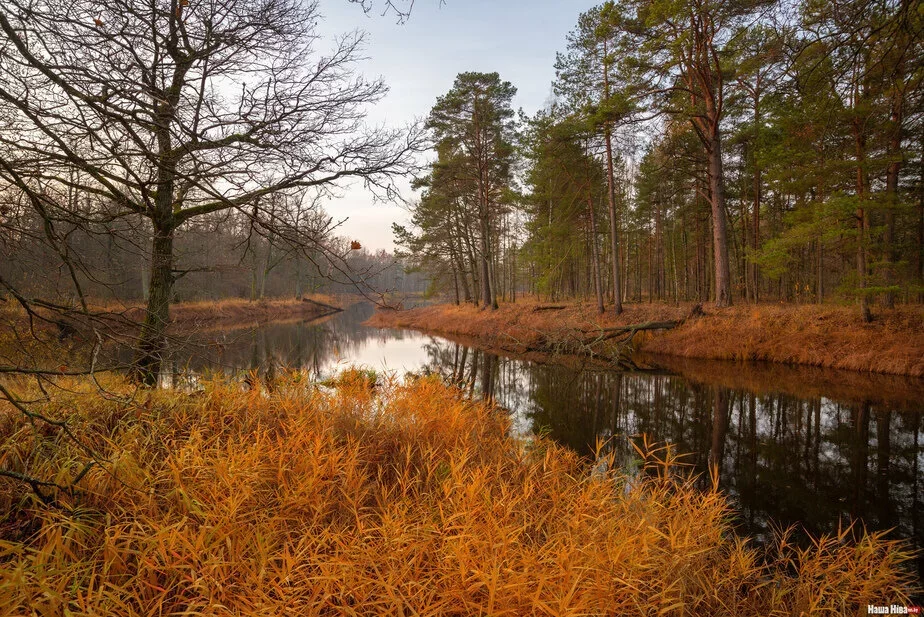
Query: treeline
{"type": "Point", "coordinates": [222, 255]}
{"type": "Point", "coordinates": [722, 150]}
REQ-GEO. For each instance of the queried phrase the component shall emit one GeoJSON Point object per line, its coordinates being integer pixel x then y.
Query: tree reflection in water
{"type": "Point", "coordinates": [792, 446]}
{"type": "Point", "coordinates": [815, 462]}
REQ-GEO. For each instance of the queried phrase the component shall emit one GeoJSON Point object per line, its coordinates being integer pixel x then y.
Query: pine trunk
{"type": "Point", "coordinates": [719, 224]}
{"type": "Point", "coordinates": [611, 195]}
{"type": "Point", "coordinates": [595, 257]}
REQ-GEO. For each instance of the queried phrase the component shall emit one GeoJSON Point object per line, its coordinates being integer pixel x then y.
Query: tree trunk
{"type": "Point", "coordinates": [492, 271]}
{"type": "Point", "coordinates": [145, 281]}
{"type": "Point", "coordinates": [466, 292]}
{"type": "Point", "coordinates": [298, 277]}
{"type": "Point", "coordinates": [153, 340]}
{"type": "Point", "coordinates": [265, 275]}
{"type": "Point", "coordinates": [459, 256]}
{"type": "Point", "coordinates": [675, 277]}
{"type": "Point", "coordinates": [253, 277]}
{"type": "Point", "coordinates": [513, 277]}
{"type": "Point", "coordinates": [755, 273]}
{"type": "Point", "coordinates": [660, 279]}
{"type": "Point", "coordinates": [486, 299]}
{"type": "Point", "coordinates": [894, 154]}
{"type": "Point", "coordinates": [595, 256]}
{"type": "Point", "coordinates": [920, 189]}
{"type": "Point", "coordinates": [862, 220]}
{"type": "Point", "coordinates": [719, 223]}
{"type": "Point", "coordinates": [611, 195]}
{"type": "Point", "coordinates": [821, 278]}
{"type": "Point", "coordinates": [474, 265]}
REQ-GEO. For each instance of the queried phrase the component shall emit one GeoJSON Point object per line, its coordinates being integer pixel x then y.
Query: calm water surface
{"type": "Point", "coordinates": [812, 448]}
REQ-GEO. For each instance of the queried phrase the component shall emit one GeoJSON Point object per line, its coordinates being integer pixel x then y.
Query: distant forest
{"type": "Point", "coordinates": [224, 255]}
{"type": "Point", "coordinates": [719, 150]}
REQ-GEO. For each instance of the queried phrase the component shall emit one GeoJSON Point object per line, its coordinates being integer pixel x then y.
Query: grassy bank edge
{"type": "Point", "coordinates": [378, 498]}
{"type": "Point", "coordinates": [810, 335]}
{"type": "Point", "coordinates": [234, 311]}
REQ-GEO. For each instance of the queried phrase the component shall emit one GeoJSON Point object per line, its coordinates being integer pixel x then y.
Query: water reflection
{"type": "Point", "coordinates": [814, 461]}
{"type": "Point", "coordinates": [319, 347]}
{"type": "Point", "coordinates": [792, 446]}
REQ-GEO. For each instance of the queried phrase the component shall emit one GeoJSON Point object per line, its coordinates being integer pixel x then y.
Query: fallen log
{"type": "Point", "coordinates": [648, 325]}
{"type": "Point", "coordinates": [330, 309]}
{"type": "Point", "coordinates": [549, 307]}
{"type": "Point", "coordinates": [605, 334]}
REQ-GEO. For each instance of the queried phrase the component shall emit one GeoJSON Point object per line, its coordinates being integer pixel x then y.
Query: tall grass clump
{"type": "Point", "coordinates": [388, 500]}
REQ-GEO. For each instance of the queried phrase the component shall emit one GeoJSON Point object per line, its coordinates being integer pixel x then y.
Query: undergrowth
{"type": "Point", "coordinates": [395, 500]}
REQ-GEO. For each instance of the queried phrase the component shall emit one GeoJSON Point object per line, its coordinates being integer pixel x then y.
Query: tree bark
{"type": "Point", "coordinates": [755, 273]}
{"type": "Point", "coordinates": [862, 219]}
{"type": "Point", "coordinates": [611, 195]}
{"type": "Point", "coordinates": [920, 191]}
{"type": "Point", "coordinates": [595, 256]}
{"type": "Point", "coordinates": [455, 280]}
{"type": "Point", "coordinates": [614, 240]}
{"type": "Point", "coordinates": [894, 153]}
{"type": "Point", "coordinates": [486, 300]}
{"type": "Point", "coordinates": [153, 340]}
{"type": "Point", "coordinates": [719, 223]}
{"type": "Point", "coordinates": [267, 267]}
{"type": "Point", "coordinates": [298, 277]}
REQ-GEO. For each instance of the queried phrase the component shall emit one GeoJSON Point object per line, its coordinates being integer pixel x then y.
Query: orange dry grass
{"type": "Point", "coordinates": [186, 316]}
{"type": "Point", "coordinates": [232, 311]}
{"type": "Point", "coordinates": [826, 336]}
{"type": "Point", "coordinates": [517, 326]}
{"type": "Point", "coordinates": [201, 306]}
{"type": "Point", "coordinates": [829, 336]}
{"type": "Point", "coordinates": [386, 500]}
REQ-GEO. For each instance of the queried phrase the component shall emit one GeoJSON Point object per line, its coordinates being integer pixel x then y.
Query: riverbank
{"type": "Point", "coordinates": [377, 498]}
{"type": "Point", "coordinates": [227, 313]}
{"type": "Point", "coordinates": [822, 336]}
{"type": "Point", "coordinates": [65, 337]}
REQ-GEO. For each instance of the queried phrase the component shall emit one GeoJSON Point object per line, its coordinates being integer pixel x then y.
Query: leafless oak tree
{"type": "Point", "coordinates": [174, 109]}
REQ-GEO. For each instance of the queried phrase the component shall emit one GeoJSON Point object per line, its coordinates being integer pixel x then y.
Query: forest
{"type": "Point", "coordinates": [655, 346]}
{"type": "Point", "coordinates": [729, 151]}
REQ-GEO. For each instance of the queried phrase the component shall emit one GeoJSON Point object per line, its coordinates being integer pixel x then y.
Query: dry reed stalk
{"type": "Point", "coordinates": [387, 500]}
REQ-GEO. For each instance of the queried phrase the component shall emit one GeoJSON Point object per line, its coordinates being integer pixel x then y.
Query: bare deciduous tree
{"type": "Point", "coordinates": [174, 109]}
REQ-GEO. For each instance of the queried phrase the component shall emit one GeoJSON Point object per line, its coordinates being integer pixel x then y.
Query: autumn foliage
{"type": "Point", "coordinates": [381, 499]}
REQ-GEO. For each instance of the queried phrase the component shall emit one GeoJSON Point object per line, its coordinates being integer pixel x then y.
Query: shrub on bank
{"type": "Point", "coordinates": [399, 499]}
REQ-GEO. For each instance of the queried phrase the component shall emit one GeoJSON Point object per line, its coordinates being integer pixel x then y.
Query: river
{"type": "Point", "coordinates": [815, 449]}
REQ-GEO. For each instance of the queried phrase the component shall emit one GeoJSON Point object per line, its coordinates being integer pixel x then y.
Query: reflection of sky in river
{"type": "Point", "coordinates": [388, 354]}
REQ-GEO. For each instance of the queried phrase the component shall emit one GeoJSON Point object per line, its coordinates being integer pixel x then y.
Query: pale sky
{"type": "Point", "coordinates": [420, 59]}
